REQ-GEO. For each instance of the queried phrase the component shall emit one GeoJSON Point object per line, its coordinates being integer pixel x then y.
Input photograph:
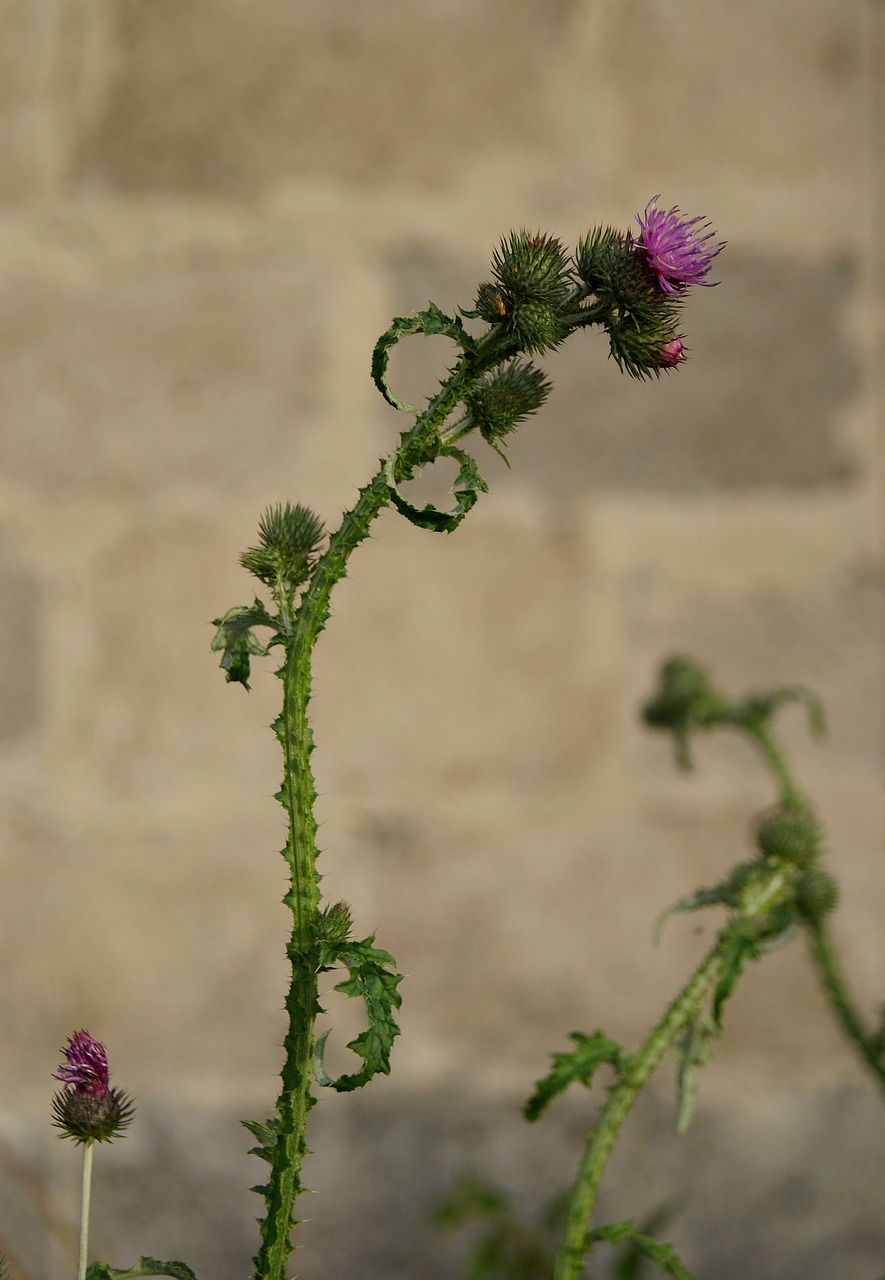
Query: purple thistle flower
{"type": "Point", "coordinates": [676, 248]}
{"type": "Point", "coordinates": [87, 1109]}
{"type": "Point", "coordinates": [86, 1069]}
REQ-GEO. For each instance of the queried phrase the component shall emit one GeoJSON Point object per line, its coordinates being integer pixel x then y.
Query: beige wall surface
{"type": "Point", "coordinates": [208, 213]}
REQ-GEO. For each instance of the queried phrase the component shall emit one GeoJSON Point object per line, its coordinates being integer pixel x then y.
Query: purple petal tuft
{"type": "Point", "coordinates": [680, 251]}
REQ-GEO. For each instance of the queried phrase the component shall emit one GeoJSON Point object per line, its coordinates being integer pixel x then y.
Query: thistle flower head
{"type": "Point", "coordinates": [87, 1109]}
{"type": "Point", "coordinates": [680, 251]}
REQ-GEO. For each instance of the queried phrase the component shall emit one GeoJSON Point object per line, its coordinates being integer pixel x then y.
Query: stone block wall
{"type": "Point", "coordinates": [208, 213]}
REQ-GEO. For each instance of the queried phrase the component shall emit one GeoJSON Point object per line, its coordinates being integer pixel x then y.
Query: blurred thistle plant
{"type": "Point", "coordinates": [769, 899]}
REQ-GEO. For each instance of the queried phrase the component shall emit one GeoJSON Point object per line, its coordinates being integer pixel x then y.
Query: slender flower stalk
{"type": "Point", "coordinates": [870, 1048]}
{"type": "Point", "coordinates": [85, 1201]}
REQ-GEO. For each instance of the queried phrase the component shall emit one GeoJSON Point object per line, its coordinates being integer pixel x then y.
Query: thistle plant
{"type": "Point", "coordinates": [538, 296]}
{"type": "Point", "coordinates": [632, 285]}
{"type": "Point", "coordinates": [783, 890]}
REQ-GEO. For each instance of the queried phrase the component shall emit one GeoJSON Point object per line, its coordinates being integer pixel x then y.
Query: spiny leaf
{"type": "Point", "coordinates": [373, 978]}
{"type": "Point", "coordinates": [236, 641]}
{"type": "Point", "coordinates": [578, 1066]}
{"type": "Point", "coordinates": [466, 488]}
{"type": "Point", "coordinates": [701, 898]}
{"type": "Point", "coordinates": [266, 1135]}
{"type": "Point", "coordinates": [739, 945]}
{"type": "Point", "coordinates": [663, 1255]}
{"type": "Point", "coordinates": [143, 1267]}
{"type": "Point", "coordinates": [762, 706]}
{"type": "Point", "coordinates": [429, 322]}
{"type": "Point", "coordinates": [631, 1264]}
{"type": "Point", "coordinates": [693, 1051]}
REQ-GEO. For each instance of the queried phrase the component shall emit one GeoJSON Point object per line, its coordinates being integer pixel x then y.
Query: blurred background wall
{"type": "Point", "coordinates": [209, 213]}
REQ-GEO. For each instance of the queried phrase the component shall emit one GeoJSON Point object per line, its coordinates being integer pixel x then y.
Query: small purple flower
{"type": "Point", "coordinates": [87, 1109]}
{"type": "Point", "coordinates": [86, 1069]}
{"type": "Point", "coordinates": [676, 248]}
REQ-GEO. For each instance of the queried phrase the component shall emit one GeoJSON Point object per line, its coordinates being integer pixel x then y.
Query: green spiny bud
{"type": "Point", "coordinates": [334, 924]}
{"type": "Point", "coordinates": [511, 394]}
{"type": "Point", "coordinates": [816, 894]}
{"type": "Point", "coordinates": [532, 267]}
{"type": "Point", "coordinates": [791, 834]}
{"type": "Point", "coordinates": [534, 287]}
{"type": "Point", "coordinates": [685, 694]}
{"type": "Point", "coordinates": [536, 326]}
{"type": "Point", "coordinates": [598, 255]}
{"type": "Point", "coordinates": [490, 304]}
{"type": "Point", "coordinates": [290, 540]}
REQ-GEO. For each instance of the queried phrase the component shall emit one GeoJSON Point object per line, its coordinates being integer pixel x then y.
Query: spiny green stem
{"type": "Point", "coordinates": [570, 1255]}
{"type": "Point", "coordinates": [417, 447]}
{"type": "Point", "coordinates": [85, 1198]}
{"type": "Point", "coordinates": [843, 1006]}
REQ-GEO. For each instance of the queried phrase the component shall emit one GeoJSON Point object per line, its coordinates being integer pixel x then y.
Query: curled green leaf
{"type": "Point", "coordinates": [431, 322]}
{"type": "Point", "coordinates": [235, 640]}
{"type": "Point", "coordinates": [373, 978]}
{"type": "Point", "coordinates": [466, 488]}
{"type": "Point", "coordinates": [693, 902]}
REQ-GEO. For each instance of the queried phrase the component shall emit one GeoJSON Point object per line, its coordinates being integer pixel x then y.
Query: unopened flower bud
{"type": "Point", "coordinates": [534, 285]}
{"type": "Point", "coordinates": [499, 403]}
{"type": "Point", "coordinates": [290, 540]}
{"type": "Point", "coordinates": [791, 834]}
{"type": "Point", "coordinates": [490, 304]}
{"type": "Point", "coordinates": [816, 895]}
{"type": "Point", "coordinates": [685, 694]}
{"type": "Point", "coordinates": [334, 924]}
{"type": "Point", "coordinates": [672, 354]}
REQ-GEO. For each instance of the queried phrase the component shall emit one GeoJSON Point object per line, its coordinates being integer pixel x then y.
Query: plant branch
{"type": "Point", "coordinates": [570, 1255]}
